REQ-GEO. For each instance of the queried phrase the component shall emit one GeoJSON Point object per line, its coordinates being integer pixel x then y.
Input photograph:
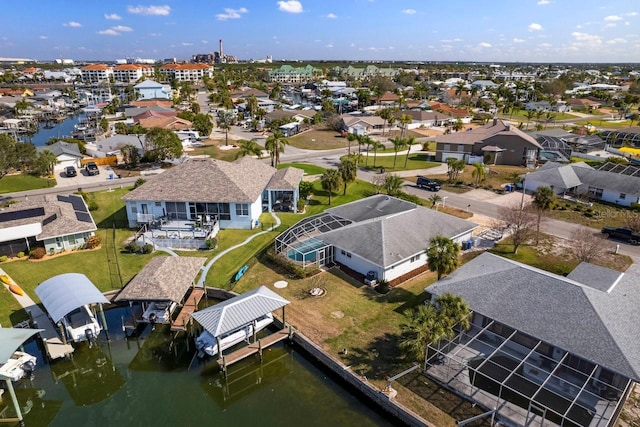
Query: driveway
{"type": "Point", "coordinates": [83, 179]}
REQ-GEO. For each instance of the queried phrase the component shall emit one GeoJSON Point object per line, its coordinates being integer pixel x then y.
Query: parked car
{"type": "Point", "coordinates": [92, 169]}
{"type": "Point", "coordinates": [70, 171]}
{"type": "Point", "coordinates": [428, 183]}
{"type": "Point", "coordinates": [622, 233]}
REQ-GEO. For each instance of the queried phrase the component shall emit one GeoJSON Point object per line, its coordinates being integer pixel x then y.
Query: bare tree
{"type": "Point", "coordinates": [588, 244]}
{"type": "Point", "coordinates": [378, 181]}
{"type": "Point", "coordinates": [521, 222]}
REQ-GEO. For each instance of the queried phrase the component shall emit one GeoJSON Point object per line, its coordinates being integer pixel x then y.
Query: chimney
{"type": "Point", "coordinates": [221, 54]}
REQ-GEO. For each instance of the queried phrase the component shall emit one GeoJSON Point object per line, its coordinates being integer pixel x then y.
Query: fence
{"type": "Point", "coordinates": [102, 161]}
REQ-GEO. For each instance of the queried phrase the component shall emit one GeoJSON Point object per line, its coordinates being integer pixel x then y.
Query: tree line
{"type": "Point", "coordinates": [23, 157]}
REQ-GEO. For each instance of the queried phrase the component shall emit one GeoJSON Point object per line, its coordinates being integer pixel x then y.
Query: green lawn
{"type": "Point", "coordinates": [521, 115]}
{"type": "Point", "coordinates": [416, 161]}
{"type": "Point", "coordinates": [605, 124]}
{"type": "Point", "coordinates": [307, 168]}
{"type": "Point", "coordinates": [21, 182]}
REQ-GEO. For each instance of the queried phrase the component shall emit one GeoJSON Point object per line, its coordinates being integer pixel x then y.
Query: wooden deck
{"type": "Point", "coordinates": [191, 305]}
{"type": "Point", "coordinates": [253, 348]}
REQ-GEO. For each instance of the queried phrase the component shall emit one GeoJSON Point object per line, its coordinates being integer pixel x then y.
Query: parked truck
{"type": "Point", "coordinates": [625, 234]}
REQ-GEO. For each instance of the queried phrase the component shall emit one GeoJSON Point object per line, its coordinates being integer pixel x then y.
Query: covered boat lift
{"type": "Point", "coordinates": [164, 282]}
{"type": "Point", "coordinates": [10, 340]}
{"type": "Point", "coordinates": [64, 293]}
{"type": "Point", "coordinates": [238, 312]}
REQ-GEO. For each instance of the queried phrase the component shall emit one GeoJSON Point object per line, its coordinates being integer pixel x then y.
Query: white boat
{"type": "Point", "coordinates": [207, 344]}
{"type": "Point", "coordinates": [158, 311]}
{"type": "Point", "coordinates": [20, 365]}
{"type": "Point", "coordinates": [81, 325]}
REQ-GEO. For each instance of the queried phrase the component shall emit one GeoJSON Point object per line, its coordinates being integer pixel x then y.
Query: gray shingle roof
{"type": "Point", "coordinates": [286, 179]}
{"type": "Point", "coordinates": [599, 326]}
{"type": "Point", "coordinates": [597, 277]}
{"type": "Point", "coordinates": [62, 147]}
{"type": "Point", "coordinates": [610, 181]}
{"type": "Point", "coordinates": [164, 278]}
{"type": "Point", "coordinates": [485, 132]}
{"type": "Point", "coordinates": [560, 177]}
{"type": "Point", "coordinates": [62, 215]}
{"type": "Point", "coordinates": [207, 180]}
{"type": "Point", "coordinates": [386, 232]}
{"type": "Point", "coordinates": [239, 311]}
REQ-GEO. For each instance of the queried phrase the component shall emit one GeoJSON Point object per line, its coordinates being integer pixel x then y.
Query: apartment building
{"type": "Point", "coordinates": [131, 73]}
{"type": "Point", "coordinates": [186, 72]}
{"type": "Point", "coordinates": [96, 73]}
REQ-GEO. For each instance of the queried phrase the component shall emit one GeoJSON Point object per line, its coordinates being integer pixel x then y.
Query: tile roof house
{"type": "Point", "coordinates": [379, 233]}
{"type": "Point", "coordinates": [234, 193]}
{"type": "Point", "coordinates": [564, 347]}
{"type": "Point", "coordinates": [581, 179]}
{"type": "Point", "coordinates": [496, 143]}
{"type": "Point", "coordinates": [57, 222]}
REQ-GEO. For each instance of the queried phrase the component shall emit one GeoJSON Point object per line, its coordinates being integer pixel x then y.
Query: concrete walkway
{"type": "Point", "coordinates": [205, 270]}
{"type": "Point", "coordinates": [55, 347]}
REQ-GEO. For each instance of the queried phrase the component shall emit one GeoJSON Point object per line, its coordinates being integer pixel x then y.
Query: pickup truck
{"type": "Point", "coordinates": [92, 169]}
{"type": "Point", "coordinates": [622, 233]}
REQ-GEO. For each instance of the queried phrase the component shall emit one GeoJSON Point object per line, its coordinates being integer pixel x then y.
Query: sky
{"type": "Point", "coordinates": [401, 30]}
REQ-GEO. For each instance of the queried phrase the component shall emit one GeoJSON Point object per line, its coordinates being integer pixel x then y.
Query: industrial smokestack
{"type": "Point", "coordinates": [221, 53]}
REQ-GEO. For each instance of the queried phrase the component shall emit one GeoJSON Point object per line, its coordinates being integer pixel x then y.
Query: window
{"type": "Point", "coordinates": [622, 196]}
{"type": "Point", "coordinates": [460, 148]}
{"type": "Point", "coordinates": [242, 209]}
{"type": "Point", "coordinates": [595, 192]}
{"type": "Point", "coordinates": [71, 240]}
{"type": "Point", "coordinates": [446, 147]}
{"type": "Point", "coordinates": [158, 203]}
{"type": "Point", "coordinates": [415, 258]}
{"type": "Point", "coordinates": [134, 209]}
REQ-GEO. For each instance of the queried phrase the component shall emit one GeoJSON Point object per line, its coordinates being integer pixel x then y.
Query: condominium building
{"type": "Point", "coordinates": [186, 72]}
{"type": "Point", "coordinates": [131, 73]}
{"type": "Point", "coordinates": [96, 73]}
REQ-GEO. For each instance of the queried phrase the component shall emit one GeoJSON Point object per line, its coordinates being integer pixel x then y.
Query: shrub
{"type": "Point", "coordinates": [293, 269]}
{"type": "Point", "coordinates": [20, 254]}
{"type": "Point", "coordinates": [93, 242]}
{"type": "Point", "coordinates": [147, 248]}
{"type": "Point", "coordinates": [132, 247]}
{"type": "Point", "coordinates": [92, 205]}
{"type": "Point", "coordinates": [3, 258]}
{"type": "Point", "coordinates": [383, 287]}
{"type": "Point", "coordinates": [306, 189]}
{"type": "Point", "coordinates": [635, 206]}
{"type": "Point", "coordinates": [409, 197]}
{"type": "Point", "coordinates": [38, 253]}
{"type": "Point", "coordinates": [425, 146]}
{"type": "Point", "coordinates": [139, 182]}
{"type": "Point", "coordinates": [212, 243]}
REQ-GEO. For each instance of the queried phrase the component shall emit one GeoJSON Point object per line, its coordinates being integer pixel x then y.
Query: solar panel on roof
{"type": "Point", "coordinates": [78, 203]}
{"type": "Point", "coordinates": [49, 219]}
{"type": "Point", "coordinates": [84, 217]}
{"type": "Point", "coordinates": [62, 198]}
{"type": "Point", "coordinates": [21, 214]}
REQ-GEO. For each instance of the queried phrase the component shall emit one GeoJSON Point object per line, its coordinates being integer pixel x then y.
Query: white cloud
{"type": "Point", "coordinates": [290, 6]}
{"type": "Point", "coordinates": [632, 14]}
{"type": "Point", "coordinates": [484, 44]}
{"type": "Point", "coordinates": [332, 16]}
{"type": "Point", "coordinates": [610, 25]}
{"type": "Point", "coordinates": [457, 40]}
{"type": "Point", "coordinates": [618, 40]}
{"type": "Point", "coordinates": [545, 45]}
{"type": "Point", "coordinates": [329, 45]}
{"type": "Point", "coordinates": [43, 37]}
{"type": "Point", "coordinates": [612, 18]}
{"type": "Point", "coordinates": [72, 24]}
{"type": "Point", "coordinates": [231, 14]}
{"type": "Point", "coordinates": [150, 10]}
{"type": "Point", "coordinates": [409, 11]}
{"type": "Point", "coordinates": [187, 44]}
{"type": "Point", "coordinates": [543, 2]}
{"type": "Point", "coordinates": [122, 29]}
{"type": "Point", "coordinates": [517, 40]}
{"type": "Point", "coordinates": [109, 32]}
{"type": "Point", "coordinates": [112, 16]}
{"type": "Point", "coordinates": [352, 45]}
{"type": "Point", "coordinates": [535, 27]}
{"type": "Point", "coordinates": [204, 41]}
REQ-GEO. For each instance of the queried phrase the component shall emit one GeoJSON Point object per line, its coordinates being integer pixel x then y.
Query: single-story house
{"type": "Point", "coordinates": [68, 154]}
{"type": "Point", "coordinates": [370, 123]}
{"type": "Point", "coordinates": [57, 222]}
{"type": "Point", "coordinates": [112, 144]}
{"type": "Point", "coordinates": [231, 194]}
{"type": "Point", "coordinates": [496, 143]}
{"type": "Point", "coordinates": [428, 118]}
{"type": "Point", "coordinates": [581, 179]}
{"type": "Point", "coordinates": [380, 233]}
{"type": "Point", "coordinates": [542, 345]}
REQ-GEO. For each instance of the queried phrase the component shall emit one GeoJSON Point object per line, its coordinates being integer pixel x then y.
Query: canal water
{"type": "Point", "coordinates": [150, 381]}
{"type": "Point", "coordinates": [60, 130]}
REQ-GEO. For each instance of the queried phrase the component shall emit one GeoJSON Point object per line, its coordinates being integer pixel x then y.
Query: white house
{"type": "Point", "coordinates": [68, 154]}
{"type": "Point", "coordinates": [149, 89]}
{"type": "Point", "coordinates": [234, 194]}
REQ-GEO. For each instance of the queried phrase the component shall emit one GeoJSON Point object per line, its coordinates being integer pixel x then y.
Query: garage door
{"type": "Point", "coordinates": [457, 156]}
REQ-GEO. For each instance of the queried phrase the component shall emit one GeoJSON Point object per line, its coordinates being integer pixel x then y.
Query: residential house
{"type": "Point", "coordinates": [426, 118]}
{"type": "Point", "coordinates": [186, 72]}
{"type": "Point", "coordinates": [235, 193]}
{"type": "Point", "coordinates": [68, 154]}
{"type": "Point", "coordinates": [484, 85]}
{"type": "Point", "coordinates": [370, 123]}
{"type": "Point", "coordinates": [559, 107]}
{"type": "Point", "coordinates": [243, 93]}
{"type": "Point", "coordinates": [131, 73]}
{"type": "Point", "coordinates": [298, 115]}
{"type": "Point", "coordinates": [388, 99]}
{"type": "Point", "coordinates": [160, 119]}
{"type": "Point", "coordinates": [96, 73]}
{"type": "Point", "coordinates": [376, 234]}
{"type": "Point", "coordinates": [542, 348]}
{"type": "Point", "coordinates": [56, 222]}
{"type": "Point", "coordinates": [149, 89]}
{"type": "Point", "coordinates": [496, 143]}
{"type": "Point", "coordinates": [112, 144]}
{"type": "Point", "coordinates": [619, 184]}
{"type": "Point", "coordinates": [583, 104]}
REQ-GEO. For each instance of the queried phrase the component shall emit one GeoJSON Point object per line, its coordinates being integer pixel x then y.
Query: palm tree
{"type": "Point", "coordinates": [367, 141]}
{"type": "Point", "coordinates": [225, 118]}
{"type": "Point", "coordinates": [530, 114]}
{"type": "Point", "coordinates": [348, 172]}
{"type": "Point", "coordinates": [252, 105]}
{"type": "Point", "coordinates": [275, 145]}
{"type": "Point", "coordinates": [385, 114]}
{"type": "Point", "coordinates": [408, 142]}
{"type": "Point", "coordinates": [435, 199]}
{"type": "Point", "coordinates": [392, 183]}
{"type": "Point", "coordinates": [479, 172]}
{"type": "Point", "coordinates": [424, 326]}
{"type": "Point", "coordinates": [20, 106]}
{"type": "Point", "coordinates": [331, 181]}
{"type": "Point", "coordinates": [248, 148]}
{"type": "Point", "coordinates": [442, 255]}
{"type": "Point", "coordinates": [549, 117]}
{"type": "Point", "coordinates": [351, 137]}
{"type": "Point", "coordinates": [460, 88]}
{"type": "Point", "coordinates": [47, 160]}
{"type": "Point", "coordinates": [543, 200]}
{"type": "Point", "coordinates": [404, 120]}
{"type": "Point", "coordinates": [376, 145]}
{"type": "Point", "coordinates": [454, 310]}
{"type": "Point", "coordinates": [398, 144]}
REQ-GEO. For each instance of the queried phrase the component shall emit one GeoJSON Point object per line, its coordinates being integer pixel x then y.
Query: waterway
{"type": "Point", "coordinates": [60, 130]}
{"type": "Point", "coordinates": [146, 381]}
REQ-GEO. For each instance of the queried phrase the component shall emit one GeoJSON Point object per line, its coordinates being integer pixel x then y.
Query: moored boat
{"type": "Point", "coordinates": [208, 345]}
{"type": "Point", "coordinates": [18, 366]}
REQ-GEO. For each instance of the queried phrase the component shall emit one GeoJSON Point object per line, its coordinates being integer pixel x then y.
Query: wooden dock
{"type": "Point", "coordinates": [191, 305]}
{"type": "Point", "coordinates": [253, 348]}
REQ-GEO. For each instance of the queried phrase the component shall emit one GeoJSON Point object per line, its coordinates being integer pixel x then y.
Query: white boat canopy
{"type": "Point", "coordinates": [11, 339]}
{"type": "Point", "coordinates": [63, 293]}
{"type": "Point", "coordinates": [239, 311]}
